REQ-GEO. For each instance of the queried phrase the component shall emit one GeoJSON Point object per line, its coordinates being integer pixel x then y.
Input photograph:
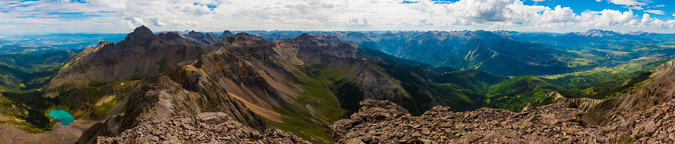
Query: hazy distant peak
{"type": "Point", "coordinates": [225, 34]}
{"type": "Point", "coordinates": [599, 33]}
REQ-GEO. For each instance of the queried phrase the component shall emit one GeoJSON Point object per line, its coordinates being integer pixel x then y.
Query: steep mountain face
{"type": "Point", "coordinates": [141, 53]}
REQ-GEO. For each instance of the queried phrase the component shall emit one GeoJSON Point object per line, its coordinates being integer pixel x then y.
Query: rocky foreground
{"type": "Point", "coordinates": [385, 122]}
{"type": "Point", "coordinates": [204, 128]}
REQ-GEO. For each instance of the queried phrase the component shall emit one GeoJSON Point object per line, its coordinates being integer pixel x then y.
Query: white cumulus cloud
{"type": "Point", "coordinates": [648, 21]}
{"type": "Point", "coordinates": [217, 15]}
{"type": "Point", "coordinates": [627, 2]}
{"type": "Point", "coordinates": [659, 12]}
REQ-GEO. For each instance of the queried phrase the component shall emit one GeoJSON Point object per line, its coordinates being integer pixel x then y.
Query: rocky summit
{"type": "Point", "coordinates": [385, 122]}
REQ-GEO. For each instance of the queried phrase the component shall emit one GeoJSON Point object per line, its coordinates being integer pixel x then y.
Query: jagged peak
{"type": "Point", "coordinates": [142, 31]}
{"type": "Point", "coordinates": [227, 32]}
{"type": "Point", "coordinates": [140, 36]}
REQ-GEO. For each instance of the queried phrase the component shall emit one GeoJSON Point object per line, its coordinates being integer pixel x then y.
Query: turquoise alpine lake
{"type": "Point", "coordinates": [62, 116]}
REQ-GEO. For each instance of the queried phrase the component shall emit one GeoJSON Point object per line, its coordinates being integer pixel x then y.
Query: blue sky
{"type": "Point", "coordinates": [121, 16]}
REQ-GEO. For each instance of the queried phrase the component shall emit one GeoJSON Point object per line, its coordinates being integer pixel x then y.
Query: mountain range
{"type": "Point", "coordinates": [297, 88]}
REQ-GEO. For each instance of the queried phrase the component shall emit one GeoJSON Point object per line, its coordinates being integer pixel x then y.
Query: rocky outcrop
{"type": "Point", "coordinates": [385, 122]}
{"type": "Point", "coordinates": [655, 125]}
{"type": "Point", "coordinates": [583, 104]}
{"type": "Point", "coordinates": [202, 128]}
{"type": "Point", "coordinates": [184, 91]}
